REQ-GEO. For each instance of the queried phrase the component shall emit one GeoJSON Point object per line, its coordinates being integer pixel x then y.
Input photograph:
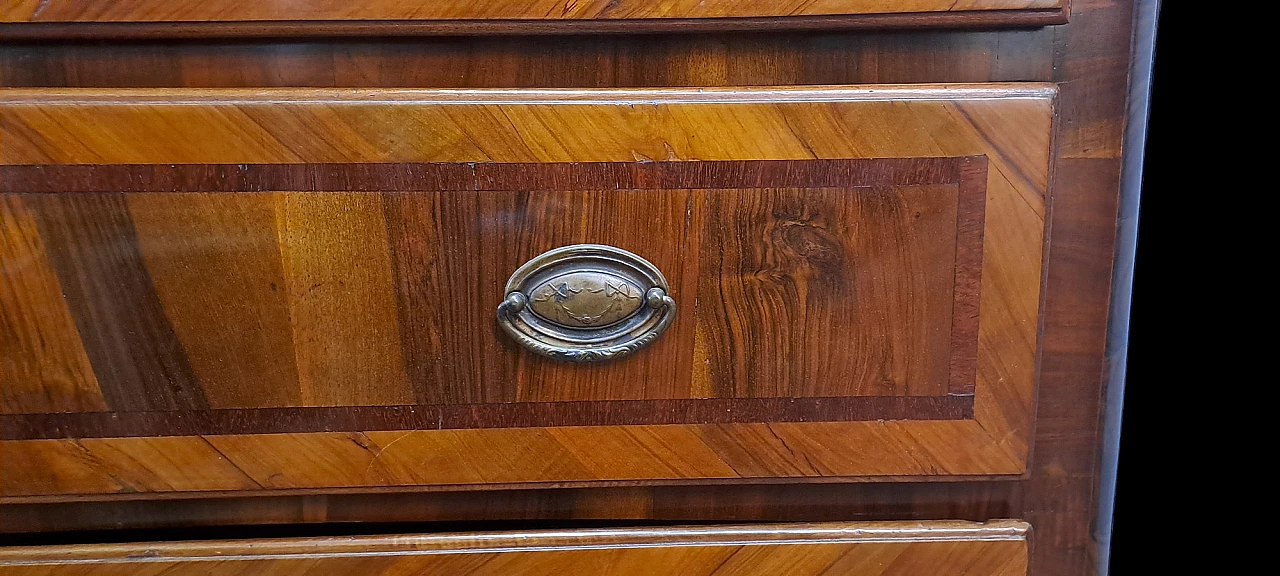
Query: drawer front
{"type": "Point", "coordinates": [262, 290]}
{"type": "Point", "coordinates": [865, 549]}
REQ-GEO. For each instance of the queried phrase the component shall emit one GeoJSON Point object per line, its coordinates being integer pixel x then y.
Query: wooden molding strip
{"type": "Point", "coordinates": [543, 541]}
{"type": "Point", "coordinates": [399, 29]}
{"type": "Point", "coordinates": [460, 10]}
{"type": "Point", "coordinates": [501, 96]}
{"type": "Point", "coordinates": [25, 20]}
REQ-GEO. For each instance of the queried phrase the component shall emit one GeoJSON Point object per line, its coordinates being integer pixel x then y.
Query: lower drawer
{"type": "Point", "coordinates": [859, 549]}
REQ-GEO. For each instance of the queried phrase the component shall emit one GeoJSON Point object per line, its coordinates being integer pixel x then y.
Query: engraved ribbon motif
{"type": "Point", "coordinates": [586, 303]}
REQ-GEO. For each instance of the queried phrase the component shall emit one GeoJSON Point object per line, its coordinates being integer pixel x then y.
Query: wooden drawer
{"type": "Point", "coordinates": [996, 548]}
{"type": "Point", "coordinates": [295, 290]}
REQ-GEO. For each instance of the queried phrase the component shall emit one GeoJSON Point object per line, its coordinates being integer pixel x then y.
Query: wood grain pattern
{"type": "Point", "coordinates": [1092, 67]}
{"type": "Point", "coordinates": [804, 282]}
{"type": "Point", "coordinates": [342, 300]}
{"type": "Point", "coordinates": [139, 465]}
{"type": "Point", "coordinates": [44, 367]}
{"type": "Point", "coordinates": [239, 10]}
{"type": "Point", "coordinates": [104, 127]}
{"type": "Point", "coordinates": [514, 458]}
{"type": "Point", "coordinates": [135, 354]}
{"type": "Point", "coordinates": [452, 251]}
{"type": "Point", "coordinates": [216, 266]}
{"type": "Point", "coordinates": [996, 548]}
{"type": "Point", "coordinates": [1088, 58]}
{"type": "Point", "coordinates": [553, 126]}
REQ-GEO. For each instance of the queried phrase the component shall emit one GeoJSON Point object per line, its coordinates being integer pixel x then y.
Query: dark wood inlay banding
{"type": "Point", "coordinates": [968, 283]}
{"type": "Point", "coordinates": [468, 416]}
{"type": "Point", "coordinates": [66, 178]}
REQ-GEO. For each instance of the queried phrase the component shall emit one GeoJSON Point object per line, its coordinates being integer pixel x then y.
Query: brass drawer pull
{"type": "Point", "coordinates": [586, 303]}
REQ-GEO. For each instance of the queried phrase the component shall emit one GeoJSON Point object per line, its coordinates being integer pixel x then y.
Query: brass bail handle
{"type": "Point", "coordinates": [586, 303]}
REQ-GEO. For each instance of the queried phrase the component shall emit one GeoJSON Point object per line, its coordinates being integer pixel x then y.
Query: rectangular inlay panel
{"type": "Point", "coordinates": [233, 290]}
{"type": "Point", "coordinates": [871, 250]}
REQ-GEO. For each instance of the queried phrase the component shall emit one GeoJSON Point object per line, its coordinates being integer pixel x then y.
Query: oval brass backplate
{"type": "Point", "coordinates": [586, 303]}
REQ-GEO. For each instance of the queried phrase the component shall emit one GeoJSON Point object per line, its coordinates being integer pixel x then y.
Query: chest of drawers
{"type": "Point", "coordinates": [296, 275]}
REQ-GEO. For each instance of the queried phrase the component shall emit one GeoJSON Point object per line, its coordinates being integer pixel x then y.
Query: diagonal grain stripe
{"type": "Point", "coordinates": [138, 360]}
{"type": "Point", "coordinates": [44, 367]}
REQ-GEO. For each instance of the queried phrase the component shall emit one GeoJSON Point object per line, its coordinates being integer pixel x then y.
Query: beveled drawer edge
{"type": "Point", "coordinates": [491, 96]}
{"type": "Point", "coordinates": [527, 541]}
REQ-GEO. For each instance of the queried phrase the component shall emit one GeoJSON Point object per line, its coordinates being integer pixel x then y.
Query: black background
{"type": "Point", "coordinates": [1160, 357]}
